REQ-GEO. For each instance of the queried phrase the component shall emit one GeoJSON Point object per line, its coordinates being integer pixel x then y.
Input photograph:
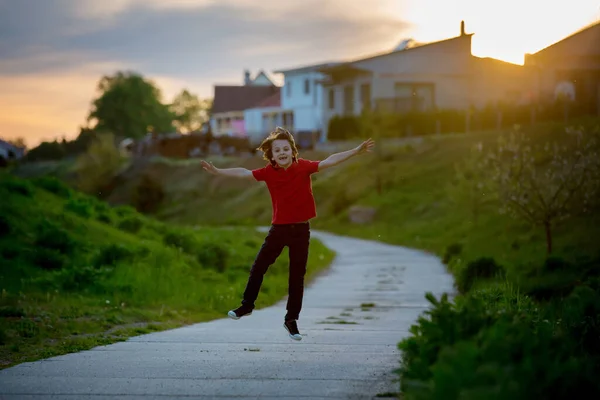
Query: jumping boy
{"type": "Point", "coordinates": [288, 179]}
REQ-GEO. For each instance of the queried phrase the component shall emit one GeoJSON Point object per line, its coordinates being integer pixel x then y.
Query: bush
{"type": "Point", "coordinates": [213, 255]}
{"type": "Point", "coordinates": [5, 226]}
{"type": "Point", "coordinates": [49, 259]}
{"type": "Point", "coordinates": [495, 343]}
{"type": "Point", "coordinates": [79, 206]}
{"type": "Point", "coordinates": [148, 195]}
{"type": "Point", "coordinates": [482, 268]}
{"type": "Point", "coordinates": [50, 236]}
{"type": "Point", "coordinates": [19, 186]}
{"type": "Point", "coordinates": [104, 217]}
{"type": "Point", "coordinates": [132, 224]}
{"type": "Point", "coordinates": [53, 185]}
{"type": "Point", "coordinates": [453, 250]}
{"type": "Point", "coordinates": [181, 240]}
{"type": "Point", "coordinates": [111, 254]}
{"type": "Point", "coordinates": [97, 167]}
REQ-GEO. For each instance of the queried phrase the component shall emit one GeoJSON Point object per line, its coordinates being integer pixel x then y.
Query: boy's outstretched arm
{"type": "Point", "coordinates": [232, 172]}
{"type": "Point", "coordinates": [337, 158]}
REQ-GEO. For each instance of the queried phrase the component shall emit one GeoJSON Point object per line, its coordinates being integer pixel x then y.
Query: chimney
{"type": "Point", "coordinates": [462, 28]}
{"type": "Point", "coordinates": [246, 77]}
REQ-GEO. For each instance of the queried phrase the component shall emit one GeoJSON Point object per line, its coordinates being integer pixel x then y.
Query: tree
{"type": "Point", "coordinates": [129, 106]}
{"type": "Point", "coordinates": [190, 112]}
{"type": "Point", "coordinates": [544, 183]}
{"type": "Point", "coordinates": [98, 165]}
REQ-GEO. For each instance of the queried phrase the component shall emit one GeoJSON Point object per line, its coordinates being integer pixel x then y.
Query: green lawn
{"type": "Point", "coordinates": [77, 273]}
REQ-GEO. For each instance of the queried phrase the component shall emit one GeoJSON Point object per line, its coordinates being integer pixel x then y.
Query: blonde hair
{"type": "Point", "coordinates": [278, 134]}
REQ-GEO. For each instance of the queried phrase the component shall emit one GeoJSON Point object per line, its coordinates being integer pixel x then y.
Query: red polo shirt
{"type": "Point", "coordinates": [291, 190]}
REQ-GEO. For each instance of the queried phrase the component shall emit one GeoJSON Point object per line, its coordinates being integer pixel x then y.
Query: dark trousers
{"type": "Point", "coordinates": [297, 238]}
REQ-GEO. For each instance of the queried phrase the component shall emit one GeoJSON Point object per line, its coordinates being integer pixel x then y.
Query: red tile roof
{"type": "Point", "coordinates": [239, 98]}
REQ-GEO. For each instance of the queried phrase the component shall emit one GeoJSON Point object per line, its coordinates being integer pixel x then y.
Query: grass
{"type": "Point", "coordinates": [406, 184]}
{"type": "Point", "coordinates": [77, 273]}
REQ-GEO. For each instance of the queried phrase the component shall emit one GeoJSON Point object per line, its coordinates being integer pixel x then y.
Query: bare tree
{"type": "Point", "coordinates": [544, 183]}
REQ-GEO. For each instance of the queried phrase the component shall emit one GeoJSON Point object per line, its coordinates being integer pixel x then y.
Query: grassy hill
{"type": "Point", "coordinates": [407, 184]}
{"type": "Point", "coordinates": [77, 273]}
{"type": "Point", "coordinates": [525, 326]}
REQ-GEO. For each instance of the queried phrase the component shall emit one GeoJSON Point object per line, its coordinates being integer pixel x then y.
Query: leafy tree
{"type": "Point", "coordinates": [129, 106]}
{"type": "Point", "coordinates": [190, 112]}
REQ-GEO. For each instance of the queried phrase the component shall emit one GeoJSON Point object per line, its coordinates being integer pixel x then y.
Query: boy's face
{"type": "Point", "coordinates": [282, 152]}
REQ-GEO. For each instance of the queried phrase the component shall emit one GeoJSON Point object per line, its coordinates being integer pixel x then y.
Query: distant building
{"type": "Point", "coordinates": [421, 77]}
{"type": "Point", "coordinates": [570, 68]}
{"type": "Point", "coordinates": [230, 101]}
{"type": "Point", "coordinates": [9, 152]}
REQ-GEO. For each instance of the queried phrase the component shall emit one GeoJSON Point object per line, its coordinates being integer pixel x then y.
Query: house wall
{"type": "Point", "coordinates": [445, 66]}
{"type": "Point", "coordinates": [228, 123]}
{"type": "Point", "coordinates": [306, 105]}
{"type": "Point", "coordinates": [575, 59]}
{"type": "Point", "coordinates": [495, 81]}
{"type": "Point", "coordinates": [260, 121]}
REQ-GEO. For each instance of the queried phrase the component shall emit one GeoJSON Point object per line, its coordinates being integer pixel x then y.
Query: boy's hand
{"type": "Point", "coordinates": [365, 146]}
{"type": "Point", "coordinates": [209, 167]}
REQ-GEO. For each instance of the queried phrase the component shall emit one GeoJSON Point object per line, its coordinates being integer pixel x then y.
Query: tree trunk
{"type": "Point", "coordinates": [548, 228]}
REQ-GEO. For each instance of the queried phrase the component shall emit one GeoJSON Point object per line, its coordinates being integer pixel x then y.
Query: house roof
{"type": "Point", "coordinates": [262, 73]}
{"type": "Point", "coordinates": [387, 53]}
{"type": "Point", "coordinates": [589, 33]}
{"type": "Point", "coordinates": [239, 98]}
{"type": "Point", "coordinates": [272, 101]}
{"type": "Point", "coordinates": [307, 68]}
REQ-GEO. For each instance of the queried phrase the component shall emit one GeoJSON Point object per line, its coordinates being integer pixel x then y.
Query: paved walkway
{"type": "Point", "coordinates": [349, 349]}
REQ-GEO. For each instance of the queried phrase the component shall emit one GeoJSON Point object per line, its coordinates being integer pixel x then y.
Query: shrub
{"type": "Point", "coordinates": [148, 195]}
{"type": "Point", "coordinates": [98, 165]}
{"type": "Point", "coordinates": [53, 185]}
{"type": "Point", "coordinates": [79, 206]}
{"type": "Point", "coordinates": [49, 259]}
{"type": "Point", "coordinates": [132, 224]}
{"type": "Point", "coordinates": [5, 226]}
{"type": "Point", "coordinates": [19, 186]}
{"type": "Point", "coordinates": [453, 250]}
{"type": "Point", "coordinates": [51, 236]}
{"type": "Point", "coordinates": [481, 268]}
{"type": "Point", "coordinates": [112, 254]}
{"type": "Point", "coordinates": [181, 240]}
{"type": "Point", "coordinates": [104, 217]}
{"type": "Point", "coordinates": [213, 255]}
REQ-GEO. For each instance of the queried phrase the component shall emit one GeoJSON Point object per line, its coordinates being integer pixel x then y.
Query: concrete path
{"type": "Point", "coordinates": [349, 349]}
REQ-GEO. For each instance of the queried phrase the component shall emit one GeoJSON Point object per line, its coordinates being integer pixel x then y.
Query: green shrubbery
{"type": "Point", "coordinates": [517, 331]}
{"type": "Point", "coordinates": [61, 250]}
{"type": "Point", "coordinates": [497, 343]}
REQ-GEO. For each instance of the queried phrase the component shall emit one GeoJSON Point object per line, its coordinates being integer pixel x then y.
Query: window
{"type": "Point", "coordinates": [331, 98]}
{"type": "Point", "coordinates": [365, 95]}
{"type": "Point", "coordinates": [349, 100]}
{"type": "Point", "coordinates": [411, 96]}
{"type": "Point", "coordinates": [306, 86]}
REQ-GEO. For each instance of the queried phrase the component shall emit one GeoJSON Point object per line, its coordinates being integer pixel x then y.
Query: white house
{"type": "Point", "coordinates": [302, 96]}
{"type": "Point", "coordinates": [231, 101]}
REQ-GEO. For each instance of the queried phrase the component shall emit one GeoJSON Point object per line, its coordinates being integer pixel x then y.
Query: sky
{"type": "Point", "coordinates": [54, 52]}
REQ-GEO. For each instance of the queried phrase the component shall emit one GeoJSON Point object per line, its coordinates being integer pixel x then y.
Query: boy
{"type": "Point", "coordinates": [288, 179]}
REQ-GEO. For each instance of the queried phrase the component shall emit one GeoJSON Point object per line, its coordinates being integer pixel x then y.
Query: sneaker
{"type": "Point", "coordinates": [292, 328]}
{"type": "Point", "coordinates": [239, 312]}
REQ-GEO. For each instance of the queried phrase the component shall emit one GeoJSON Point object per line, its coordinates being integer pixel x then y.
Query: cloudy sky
{"type": "Point", "coordinates": [53, 52]}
